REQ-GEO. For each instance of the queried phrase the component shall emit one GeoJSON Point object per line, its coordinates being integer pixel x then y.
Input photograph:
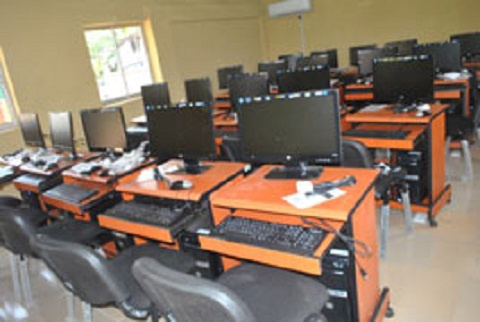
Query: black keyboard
{"type": "Point", "coordinates": [376, 134]}
{"type": "Point", "coordinates": [291, 238]}
{"type": "Point", "coordinates": [148, 213]}
{"type": "Point", "coordinates": [71, 193]}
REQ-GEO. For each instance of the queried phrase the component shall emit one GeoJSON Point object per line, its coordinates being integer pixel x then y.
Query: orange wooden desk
{"type": "Point", "coordinates": [203, 185]}
{"type": "Point", "coordinates": [444, 90]}
{"type": "Point", "coordinates": [434, 128]}
{"type": "Point", "coordinates": [257, 198]}
{"type": "Point", "coordinates": [105, 185]}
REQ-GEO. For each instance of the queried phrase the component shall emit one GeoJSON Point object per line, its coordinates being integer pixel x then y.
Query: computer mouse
{"type": "Point", "coordinates": [51, 166]}
{"type": "Point", "coordinates": [39, 163]}
{"type": "Point", "coordinates": [180, 185]}
{"type": "Point", "coordinates": [103, 173]}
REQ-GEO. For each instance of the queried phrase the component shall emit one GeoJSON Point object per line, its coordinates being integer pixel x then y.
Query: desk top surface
{"type": "Point", "coordinates": [387, 115]}
{"type": "Point", "coordinates": [256, 193]}
{"type": "Point", "coordinates": [62, 164]}
{"type": "Point", "coordinates": [143, 183]}
{"type": "Point", "coordinates": [95, 177]}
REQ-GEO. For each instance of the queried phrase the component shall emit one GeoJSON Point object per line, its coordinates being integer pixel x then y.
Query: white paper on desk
{"type": "Point", "coordinates": [302, 201]}
{"type": "Point", "coordinates": [6, 171]}
{"type": "Point", "coordinates": [373, 108]}
{"type": "Point", "coordinates": [146, 175]}
{"type": "Point", "coordinates": [168, 169]}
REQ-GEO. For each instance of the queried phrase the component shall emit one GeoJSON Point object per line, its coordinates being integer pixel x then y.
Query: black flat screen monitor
{"type": "Point", "coordinates": [469, 43]}
{"type": "Point", "coordinates": [332, 56]}
{"type": "Point", "coordinates": [199, 90]}
{"type": "Point", "coordinates": [365, 60]}
{"type": "Point", "coordinates": [446, 55]}
{"type": "Point", "coordinates": [403, 80]}
{"type": "Point", "coordinates": [272, 68]}
{"type": "Point", "coordinates": [104, 128]}
{"type": "Point", "coordinates": [31, 130]}
{"type": "Point", "coordinates": [247, 85]}
{"type": "Point", "coordinates": [297, 81]}
{"type": "Point", "coordinates": [224, 72]}
{"type": "Point", "coordinates": [185, 133]}
{"type": "Point", "coordinates": [311, 62]}
{"type": "Point", "coordinates": [155, 95]}
{"type": "Point", "coordinates": [292, 129]}
{"type": "Point", "coordinates": [291, 60]}
{"type": "Point", "coordinates": [354, 53]}
{"type": "Point", "coordinates": [404, 47]}
{"type": "Point", "coordinates": [61, 131]}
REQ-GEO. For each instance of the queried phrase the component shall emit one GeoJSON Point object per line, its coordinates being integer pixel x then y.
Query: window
{"type": "Point", "coordinates": [7, 110]}
{"type": "Point", "coordinates": [119, 60]}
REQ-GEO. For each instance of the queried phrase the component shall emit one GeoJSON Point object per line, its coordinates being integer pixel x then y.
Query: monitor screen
{"type": "Point", "coordinates": [354, 53]}
{"type": "Point", "coordinates": [365, 60]}
{"type": "Point", "coordinates": [247, 85]}
{"type": "Point", "coordinates": [61, 131]}
{"type": "Point", "coordinates": [406, 79]}
{"type": "Point", "coordinates": [224, 72]}
{"type": "Point", "coordinates": [291, 60]}
{"type": "Point", "coordinates": [156, 95]}
{"type": "Point", "coordinates": [181, 132]}
{"type": "Point", "coordinates": [272, 68]}
{"type": "Point", "coordinates": [469, 43]}
{"type": "Point", "coordinates": [297, 81]}
{"type": "Point", "coordinates": [300, 127]}
{"type": "Point", "coordinates": [104, 128]}
{"type": "Point", "coordinates": [332, 56]}
{"type": "Point", "coordinates": [446, 55]}
{"type": "Point", "coordinates": [31, 130]}
{"type": "Point", "coordinates": [404, 47]}
{"type": "Point", "coordinates": [311, 62]}
{"type": "Point", "coordinates": [199, 90]}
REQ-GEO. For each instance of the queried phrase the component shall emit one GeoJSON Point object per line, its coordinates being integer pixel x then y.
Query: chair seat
{"type": "Point", "coordinates": [386, 181]}
{"type": "Point", "coordinates": [75, 231]}
{"type": "Point", "coordinates": [459, 127]}
{"type": "Point", "coordinates": [275, 295]}
{"type": "Point", "coordinates": [179, 261]}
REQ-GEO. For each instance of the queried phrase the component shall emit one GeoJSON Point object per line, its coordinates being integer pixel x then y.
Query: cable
{"type": "Point", "coordinates": [350, 242]}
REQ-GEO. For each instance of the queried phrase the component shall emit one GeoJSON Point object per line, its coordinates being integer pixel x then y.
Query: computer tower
{"type": "Point", "coordinates": [415, 162]}
{"type": "Point", "coordinates": [337, 271]}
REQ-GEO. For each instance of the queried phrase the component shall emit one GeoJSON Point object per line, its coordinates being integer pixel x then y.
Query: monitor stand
{"type": "Point", "coordinates": [191, 166]}
{"type": "Point", "coordinates": [295, 172]}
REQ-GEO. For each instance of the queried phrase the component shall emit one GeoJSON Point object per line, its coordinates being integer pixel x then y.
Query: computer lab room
{"type": "Point", "coordinates": [239, 161]}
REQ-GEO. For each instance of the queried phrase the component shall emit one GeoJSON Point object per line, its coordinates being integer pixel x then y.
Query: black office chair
{"type": "Point", "coordinates": [246, 293]}
{"type": "Point", "coordinates": [356, 155]}
{"type": "Point", "coordinates": [230, 149]}
{"type": "Point", "coordinates": [19, 225]}
{"type": "Point", "coordinates": [99, 281]}
{"type": "Point", "coordinates": [462, 129]}
{"type": "Point", "coordinates": [8, 201]}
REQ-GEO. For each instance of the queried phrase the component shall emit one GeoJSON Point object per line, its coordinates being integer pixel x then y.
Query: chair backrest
{"type": "Point", "coordinates": [18, 226]}
{"type": "Point", "coordinates": [8, 201]}
{"type": "Point", "coordinates": [187, 298]}
{"type": "Point", "coordinates": [82, 270]}
{"type": "Point", "coordinates": [356, 155]}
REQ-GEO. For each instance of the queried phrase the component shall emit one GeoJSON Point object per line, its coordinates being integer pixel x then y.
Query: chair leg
{"type": "Point", "coordinates": [467, 159]}
{"type": "Point", "coordinates": [71, 307]}
{"type": "Point", "coordinates": [407, 209]}
{"type": "Point", "coordinates": [447, 147]}
{"type": "Point", "coordinates": [25, 280]}
{"type": "Point", "coordinates": [87, 312]}
{"type": "Point", "coordinates": [384, 219]}
{"type": "Point", "coordinates": [15, 277]}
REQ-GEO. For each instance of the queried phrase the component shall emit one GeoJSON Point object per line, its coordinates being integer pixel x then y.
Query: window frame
{"type": "Point", "coordinates": [141, 25]}
{"type": "Point", "coordinates": [10, 97]}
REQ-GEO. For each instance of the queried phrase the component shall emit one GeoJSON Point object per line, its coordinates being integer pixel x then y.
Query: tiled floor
{"type": "Point", "coordinates": [434, 274]}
